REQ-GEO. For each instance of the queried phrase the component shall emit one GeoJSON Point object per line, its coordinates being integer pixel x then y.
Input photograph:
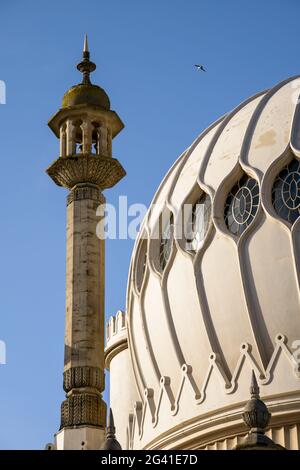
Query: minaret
{"type": "Point", "coordinates": [85, 126]}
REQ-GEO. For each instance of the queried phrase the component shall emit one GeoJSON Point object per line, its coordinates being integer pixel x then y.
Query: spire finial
{"type": "Point", "coordinates": [254, 388]}
{"type": "Point", "coordinates": [86, 66]}
{"type": "Point", "coordinates": [256, 416]}
{"type": "Point", "coordinates": [85, 44]}
{"type": "Point", "coordinates": [111, 442]}
{"type": "Point", "coordinates": [111, 430]}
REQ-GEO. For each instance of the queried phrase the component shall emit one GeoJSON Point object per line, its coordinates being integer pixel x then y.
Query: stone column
{"type": "Point", "coordinates": [86, 127]}
{"type": "Point", "coordinates": [103, 140]}
{"type": "Point", "coordinates": [84, 334]}
{"type": "Point", "coordinates": [71, 144]}
{"type": "Point", "coordinates": [63, 140]}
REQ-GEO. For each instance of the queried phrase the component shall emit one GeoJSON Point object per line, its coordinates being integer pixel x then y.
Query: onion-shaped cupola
{"type": "Point", "coordinates": [86, 92]}
{"type": "Point", "coordinates": [213, 292]}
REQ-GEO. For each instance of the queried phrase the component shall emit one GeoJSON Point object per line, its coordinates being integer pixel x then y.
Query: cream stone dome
{"type": "Point", "coordinates": [205, 309]}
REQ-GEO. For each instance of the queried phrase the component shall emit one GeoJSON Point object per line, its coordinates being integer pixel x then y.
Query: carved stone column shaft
{"type": "Point", "coordinates": [70, 138]}
{"type": "Point", "coordinates": [84, 334]}
{"type": "Point", "coordinates": [86, 127]}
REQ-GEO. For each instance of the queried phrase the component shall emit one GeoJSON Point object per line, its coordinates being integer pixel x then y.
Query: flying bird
{"type": "Point", "coordinates": [200, 67]}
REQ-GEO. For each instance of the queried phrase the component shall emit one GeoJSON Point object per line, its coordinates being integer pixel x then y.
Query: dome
{"type": "Point", "coordinates": [86, 94]}
{"type": "Point", "coordinates": [208, 305]}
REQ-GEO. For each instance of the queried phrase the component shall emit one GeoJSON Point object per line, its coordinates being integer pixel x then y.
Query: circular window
{"type": "Point", "coordinates": [241, 205]}
{"type": "Point", "coordinates": [286, 192]}
{"type": "Point", "coordinates": [201, 216]}
{"type": "Point", "coordinates": [166, 242]}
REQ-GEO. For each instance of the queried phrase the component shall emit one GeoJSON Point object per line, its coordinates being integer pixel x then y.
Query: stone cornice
{"type": "Point", "coordinates": [228, 424]}
{"type": "Point", "coordinates": [113, 350]}
{"type": "Point", "coordinates": [82, 110]}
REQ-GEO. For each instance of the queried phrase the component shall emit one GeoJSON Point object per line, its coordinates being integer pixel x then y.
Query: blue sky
{"type": "Point", "coordinates": [145, 51]}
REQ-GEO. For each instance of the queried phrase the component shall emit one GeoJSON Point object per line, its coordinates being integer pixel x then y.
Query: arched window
{"type": "Point", "coordinates": [166, 241]}
{"type": "Point", "coordinates": [286, 192]}
{"type": "Point", "coordinates": [200, 220]}
{"type": "Point", "coordinates": [241, 205]}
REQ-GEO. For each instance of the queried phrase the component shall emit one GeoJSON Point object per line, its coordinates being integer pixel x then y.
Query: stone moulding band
{"type": "Point", "coordinates": [85, 191]}
{"type": "Point", "coordinates": [83, 409]}
{"type": "Point", "coordinates": [152, 404]}
{"type": "Point", "coordinates": [78, 377]}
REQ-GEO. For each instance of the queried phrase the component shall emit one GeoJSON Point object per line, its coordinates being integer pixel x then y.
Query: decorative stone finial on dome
{"type": "Point", "coordinates": [85, 44]}
{"type": "Point", "coordinates": [111, 442]}
{"type": "Point", "coordinates": [86, 66]}
{"type": "Point", "coordinates": [256, 416]}
{"type": "Point", "coordinates": [254, 388]}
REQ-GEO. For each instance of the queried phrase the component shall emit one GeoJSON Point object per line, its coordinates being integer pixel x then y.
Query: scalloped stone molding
{"type": "Point", "coordinates": [148, 413]}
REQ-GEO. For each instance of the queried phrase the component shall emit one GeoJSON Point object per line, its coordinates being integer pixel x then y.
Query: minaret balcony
{"type": "Point", "coordinates": [101, 171]}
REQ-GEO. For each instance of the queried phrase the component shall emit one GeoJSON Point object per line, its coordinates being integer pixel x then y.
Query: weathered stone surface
{"type": "Point", "coordinates": [83, 409]}
{"type": "Point", "coordinates": [84, 338]}
{"type": "Point", "coordinates": [77, 377]}
{"type": "Point", "coordinates": [80, 438]}
{"type": "Point", "coordinates": [84, 335]}
{"type": "Point", "coordinates": [85, 191]}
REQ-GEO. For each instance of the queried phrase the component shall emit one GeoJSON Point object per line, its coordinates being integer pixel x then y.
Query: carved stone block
{"type": "Point", "coordinates": [83, 409]}
{"type": "Point", "coordinates": [69, 171]}
{"type": "Point", "coordinates": [78, 377]}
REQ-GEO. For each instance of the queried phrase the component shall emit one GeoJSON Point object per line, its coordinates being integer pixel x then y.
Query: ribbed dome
{"type": "Point", "coordinates": [232, 297]}
{"type": "Point", "coordinates": [86, 94]}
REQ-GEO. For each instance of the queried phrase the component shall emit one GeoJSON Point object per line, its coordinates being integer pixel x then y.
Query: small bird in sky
{"type": "Point", "coordinates": [200, 67]}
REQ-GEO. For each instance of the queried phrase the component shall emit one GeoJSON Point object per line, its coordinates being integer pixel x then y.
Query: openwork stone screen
{"type": "Point", "coordinates": [241, 205]}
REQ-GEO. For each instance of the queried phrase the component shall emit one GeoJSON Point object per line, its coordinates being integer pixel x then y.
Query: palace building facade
{"type": "Point", "coordinates": [213, 301]}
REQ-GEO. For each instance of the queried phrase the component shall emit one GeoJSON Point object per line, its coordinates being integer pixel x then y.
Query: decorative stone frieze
{"type": "Point", "coordinates": [85, 191]}
{"type": "Point", "coordinates": [83, 409]}
{"type": "Point", "coordinates": [77, 377]}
